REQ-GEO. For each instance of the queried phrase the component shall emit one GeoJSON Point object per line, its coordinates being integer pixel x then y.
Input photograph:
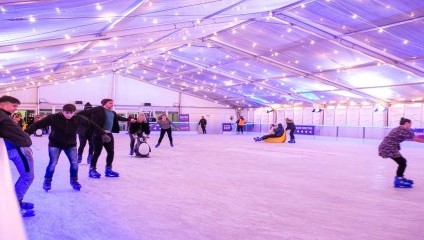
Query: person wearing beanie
{"type": "Point", "coordinates": [106, 118]}
{"type": "Point", "coordinates": [84, 136]}
{"type": "Point", "coordinates": [390, 147]}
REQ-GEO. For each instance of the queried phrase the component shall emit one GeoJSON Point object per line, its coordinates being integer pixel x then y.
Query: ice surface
{"type": "Point", "coordinates": [229, 187]}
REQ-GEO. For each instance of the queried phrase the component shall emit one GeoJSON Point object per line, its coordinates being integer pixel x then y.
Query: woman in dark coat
{"type": "Point", "coordinates": [141, 126]}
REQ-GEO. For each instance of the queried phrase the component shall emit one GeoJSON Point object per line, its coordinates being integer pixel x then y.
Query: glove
{"type": "Point", "coordinates": [106, 138]}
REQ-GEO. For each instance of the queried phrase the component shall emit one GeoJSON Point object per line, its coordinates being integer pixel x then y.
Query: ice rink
{"type": "Point", "coordinates": [229, 187]}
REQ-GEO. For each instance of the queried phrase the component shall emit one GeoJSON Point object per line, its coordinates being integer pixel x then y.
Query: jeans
{"type": "Point", "coordinates": [54, 154]}
{"type": "Point", "coordinates": [98, 147]}
{"type": "Point", "coordinates": [22, 158]}
{"type": "Point", "coordinates": [162, 134]}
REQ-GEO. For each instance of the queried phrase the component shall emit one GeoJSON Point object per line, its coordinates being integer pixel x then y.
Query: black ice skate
{"type": "Point", "coordinates": [93, 173]}
{"type": "Point", "coordinates": [47, 185]}
{"type": "Point", "coordinates": [110, 173]}
{"type": "Point", "coordinates": [75, 184]}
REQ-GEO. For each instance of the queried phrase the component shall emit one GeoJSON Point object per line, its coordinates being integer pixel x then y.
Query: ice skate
{"type": "Point", "coordinates": [93, 173]}
{"type": "Point", "coordinates": [75, 184]}
{"type": "Point", "coordinates": [47, 185]}
{"type": "Point", "coordinates": [408, 180]}
{"type": "Point", "coordinates": [110, 173]}
{"type": "Point", "coordinates": [27, 213]}
{"type": "Point", "coordinates": [401, 183]}
{"type": "Point", "coordinates": [26, 205]}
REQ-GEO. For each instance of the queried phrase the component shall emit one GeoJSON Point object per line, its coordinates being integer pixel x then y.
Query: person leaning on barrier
{"type": "Point", "coordinates": [18, 150]}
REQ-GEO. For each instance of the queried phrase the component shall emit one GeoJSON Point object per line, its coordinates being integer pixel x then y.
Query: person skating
{"type": "Point", "coordinates": [18, 150]}
{"type": "Point", "coordinates": [106, 118]}
{"type": "Point", "coordinates": [292, 127]}
{"type": "Point", "coordinates": [240, 124]}
{"type": "Point", "coordinates": [85, 135]}
{"type": "Point", "coordinates": [63, 137]}
{"type": "Point", "coordinates": [202, 124]}
{"type": "Point", "coordinates": [165, 127]}
{"type": "Point", "coordinates": [390, 147]}
{"type": "Point", "coordinates": [277, 132]}
{"type": "Point", "coordinates": [142, 125]}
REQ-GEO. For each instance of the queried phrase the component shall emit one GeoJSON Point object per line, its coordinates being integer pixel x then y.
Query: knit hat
{"type": "Point", "coordinates": [106, 100]}
{"type": "Point", "coordinates": [87, 106]}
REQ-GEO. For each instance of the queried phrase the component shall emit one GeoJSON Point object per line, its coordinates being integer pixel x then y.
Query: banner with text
{"type": "Point", "coordinates": [305, 130]}
{"type": "Point", "coordinates": [227, 127]}
{"type": "Point", "coordinates": [184, 123]}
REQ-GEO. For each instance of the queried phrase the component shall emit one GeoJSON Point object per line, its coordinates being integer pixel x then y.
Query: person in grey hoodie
{"type": "Point", "coordinates": [165, 127]}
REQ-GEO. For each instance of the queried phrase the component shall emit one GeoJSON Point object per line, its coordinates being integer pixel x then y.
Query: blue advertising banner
{"type": "Point", "coordinates": [184, 122]}
{"type": "Point", "coordinates": [305, 130]}
{"type": "Point", "coordinates": [227, 127]}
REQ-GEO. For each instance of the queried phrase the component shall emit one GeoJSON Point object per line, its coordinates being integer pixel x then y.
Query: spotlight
{"type": "Point", "coordinates": [380, 109]}
{"type": "Point", "coordinates": [316, 110]}
{"type": "Point", "coordinates": [268, 111]}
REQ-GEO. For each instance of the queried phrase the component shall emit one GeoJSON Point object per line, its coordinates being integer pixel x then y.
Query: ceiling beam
{"type": "Point", "coordinates": [231, 76]}
{"type": "Point", "coordinates": [170, 76]}
{"type": "Point", "coordinates": [180, 91]}
{"type": "Point", "coordinates": [293, 70]}
{"type": "Point", "coordinates": [107, 28]}
{"type": "Point", "coordinates": [121, 33]}
{"type": "Point", "coordinates": [347, 42]}
{"type": "Point", "coordinates": [385, 26]}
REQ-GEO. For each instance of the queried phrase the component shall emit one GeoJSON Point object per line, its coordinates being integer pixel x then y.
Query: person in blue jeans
{"type": "Point", "coordinates": [64, 126]}
{"type": "Point", "coordinates": [18, 150]}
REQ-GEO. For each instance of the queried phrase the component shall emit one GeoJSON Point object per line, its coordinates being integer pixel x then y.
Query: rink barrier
{"type": "Point", "coordinates": [11, 224]}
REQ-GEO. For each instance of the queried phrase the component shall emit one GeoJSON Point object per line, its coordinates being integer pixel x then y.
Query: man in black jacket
{"type": "Point", "coordinates": [84, 136]}
{"type": "Point", "coordinates": [202, 124]}
{"type": "Point", "coordinates": [108, 120]}
{"type": "Point", "coordinates": [63, 136]}
{"type": "Point", "coordinates": [18, 149]}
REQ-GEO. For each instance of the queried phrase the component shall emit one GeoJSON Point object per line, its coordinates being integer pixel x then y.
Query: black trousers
{"type": "Point", "coordinates": [98, 147]}
{"type": "Point", "coordinates": [401, 161]}
{"type": "Point", "coordinates": [268, 136]}
{"type": "Point", "coordinates": [240, 129]}
{"type": "Point", "coordinates": [292, 133]}
{"type": "Point", "coordinates": [203, 128]}
{"type": "Point", "coordinates": [84, 137]}
{"type": "Point", "coordinates": [162, 134]}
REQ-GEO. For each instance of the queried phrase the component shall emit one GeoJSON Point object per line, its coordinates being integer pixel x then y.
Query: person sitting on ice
{"type": "Point", "coordinates": [272, 128]}
{"type": "Point", "coordinates": [278, 132]}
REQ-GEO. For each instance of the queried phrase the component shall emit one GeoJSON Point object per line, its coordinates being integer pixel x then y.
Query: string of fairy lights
{"type": "Point", "coordinates": [223, 69]}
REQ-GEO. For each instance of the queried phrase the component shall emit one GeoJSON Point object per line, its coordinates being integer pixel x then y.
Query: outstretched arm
{"type": "Point", "coordinates": [89, 124]}
{"type": "Point", "coordinates": [47, 121]}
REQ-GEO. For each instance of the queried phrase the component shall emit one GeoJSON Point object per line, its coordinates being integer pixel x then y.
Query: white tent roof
{"type": "Point", "coordinates": [237, 52]}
